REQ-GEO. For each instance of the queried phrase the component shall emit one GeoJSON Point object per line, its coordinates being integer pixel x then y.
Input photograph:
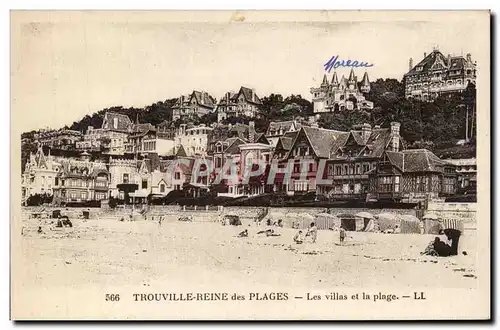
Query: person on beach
{"type": "Point", "coordinates": [244, 233]}
{"type": "Point", "coordinates": [40, 231]}
{"type": "Point", "coordinates": [160, 219]}
{"type": "Point", "coordinates": [342, 234]}
{"type": "Point", "coordinates": [313, 232]}
{"type": "Point", "coordinates": [298, 239]}
{"type": "Point", "coordinates": [444, 238]}
{"type": "Point", "coordinates": [280, 223]}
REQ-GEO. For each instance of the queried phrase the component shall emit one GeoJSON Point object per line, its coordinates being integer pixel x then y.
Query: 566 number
{"type": "Point", "coordinates": [112, 297]}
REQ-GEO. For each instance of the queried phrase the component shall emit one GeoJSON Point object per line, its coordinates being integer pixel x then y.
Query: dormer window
{"type": "Point", "coordinates": [419, 68]}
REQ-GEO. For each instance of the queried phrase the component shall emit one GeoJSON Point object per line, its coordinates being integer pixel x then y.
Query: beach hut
{"type": "Point", "coordinates": [301, 220]}
{"type": "Point", "coordinates": [388, 221]}
{"type": "Point", "coordinates": [456, 224]}
{"type": "Point", "coordinates": [432, 224]}
{"type": "Point", "coordinates": [367, 221]}
{"type": "Point", "coordinates": [327, 221]}
{"type": "Point", "coordinates": [350, 222]}
{"type": "Point", "coordinates": [410, 224]}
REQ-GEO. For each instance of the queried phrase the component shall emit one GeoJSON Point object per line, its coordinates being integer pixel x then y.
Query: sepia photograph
{"type": "Point", "coordinates": [250, 165]}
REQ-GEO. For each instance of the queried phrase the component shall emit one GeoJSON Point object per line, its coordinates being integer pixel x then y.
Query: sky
{"type": "Point", "coordinates": [67, 65]}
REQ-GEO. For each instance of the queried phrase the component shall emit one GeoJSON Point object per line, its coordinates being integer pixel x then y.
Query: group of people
{"type": "Point", "coordinates": [300, 237]}
{"type": "Point", "coordinates": [445, 244]}
{"type": "Point", "coordinates": [312, 232]}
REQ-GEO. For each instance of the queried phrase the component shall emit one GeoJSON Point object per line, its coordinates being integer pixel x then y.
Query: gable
{"type": "Point", "coordinates": [301, 141]}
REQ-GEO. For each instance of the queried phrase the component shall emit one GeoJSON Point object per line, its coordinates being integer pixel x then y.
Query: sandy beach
{"type": "Point", "coordinates": [105, 252]}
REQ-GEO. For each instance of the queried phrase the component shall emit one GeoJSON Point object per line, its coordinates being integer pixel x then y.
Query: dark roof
{"type": "Point", "coordinates": [286, 142]}
{"type": "Point", "coordinates": [144, 128]}
{"type": "Point", "coordinates": [321, 139]}
{"type": "Point", "coordinates": [123, 122]}
{"type": "Point", "coordinates": [396, 159]}
{"type": "Point", "coordinates": [181, 152]}
{"type": "Point", "coordinates": [365, 81]}
{"type": "Point", "coordinates": [442, 62]}
{"type": "Point", "coordinates": [415, 160]}
{"type": "Point", "coordinates": [204, 99]}
{"type": "Point", "coordinates": [249, 95]}
{"type": "Point", "coordinates": [276, 125]}
{"type": "Point", "coordinates": [378, 141]}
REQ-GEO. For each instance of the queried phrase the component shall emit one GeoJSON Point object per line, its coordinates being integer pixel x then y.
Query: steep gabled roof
{"type": "Point", "coordinates": [378, 141]}
{"type": "Point", "coordinates": [181, 152]}
{"type": "Point", "coordinates": [123, 122]}
{"type": "Point", "coordinates": [277, 125]}
{"type": "Point", "coordinates": [396, 159]}
{"type": "Point", "coordinates": [421, 160]}
{"type": "Point", "coordinates": [285, 143]}
{"type": "Point", "coordinates": [143, 128]}
{"type": "Point", "coordinates": [415, 160]}
{"type": "Point", "coordinates": [233, 146]}
{"type": "Point", "coordinates": [320, 139]}
{"type": "Point", "coordinates": [250, 95]}
{"type": "Point", "coordinates": [204, 99]}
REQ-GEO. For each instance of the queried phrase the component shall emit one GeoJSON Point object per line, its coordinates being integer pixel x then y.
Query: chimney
{"type": "Point", "coordinates": [449, 59]}
{"type": "Point", "coordinates": [366, 131]}
{"type": "Point", "coordinates": [410, 64]}
{"type": "Point", "coordinates": [251, 132]}
{"type": "Point", "coordinates": [395, 135]}
{"type": "Point", "coordinates": [425, 54]}
{"type": "Point", "coordinates": [469, 57]}
{"type": "Point", "coordinates": [253, 95]}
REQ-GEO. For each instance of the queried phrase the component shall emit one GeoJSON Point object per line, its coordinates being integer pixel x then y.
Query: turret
{"type": "Point", "coordinates": [325, 81]}
{"type": "Point", "coordinates": [335, 80]}
{"type": "Point", "coordinates": [352, 80]}
{"type": "Point", "coordinates": [343, 83]}
{"type": "Point", "coordinates": [365, 83]}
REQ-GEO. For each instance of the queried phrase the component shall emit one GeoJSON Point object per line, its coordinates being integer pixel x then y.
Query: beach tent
{"type": "Point", "coordinates": [350, 222]}
{"type": "Point", "coordinates": [303, 220]}
{"type": "Point", "coordinates": [456, 224]}
{"type": "Point", "coordinates": [432, 226]}
{"type": "Point", "coordinates": [365, 215]}
{"type": "Point", "coordinates": [327, 221]}
{"type": "Point", "coordinates": [388, 221]}
{"type": "Point", "coordinates": [410, 224]}
{"type": "Point", "coordinates": [365, 222]}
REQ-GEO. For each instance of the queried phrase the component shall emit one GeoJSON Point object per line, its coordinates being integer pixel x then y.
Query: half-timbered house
{"type": "Point", "coordinates": [411, 176]}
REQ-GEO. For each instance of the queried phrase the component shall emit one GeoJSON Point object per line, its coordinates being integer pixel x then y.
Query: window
{"type": "Point", "coordinates": [73, 196]}
{"type": "Point", "coordinates": [144, 184]}
{"type": "Point", "coordinates": [338, 170]}
{"type": "Point", "coordinates": [162, 188]}
{"type": "Point", "coordinates": [84, 195]}
{"type": "Point", "coordinates": [330, 169]}
{"type": "Point", "coordinates": [396, 184]}
{"type": "Point", "coordinates": [177, 175]}
{"type": "Point", "coordinates": [345, 170]}
{"type": "Point", "coordinates": [385, 184]}
{"type": "Point", "coordinates": [296, 168]}
{"type": "Point", "coordinates": [311, 166]}
{"type": "Point", "coordinates": [56, 181]}
{"type": "Point", "coordinates": [125, 178]}
{"type": "Point", "coordinates": [62, 182]}
{"type": "Point", "coordinates": [43, 180]}
{"type": "Point", "coordinates": [358, 169]}
{"type": "Point", "coordinates": [366, 168]}
{"type": "Point", "coordinates": [177, 187]}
